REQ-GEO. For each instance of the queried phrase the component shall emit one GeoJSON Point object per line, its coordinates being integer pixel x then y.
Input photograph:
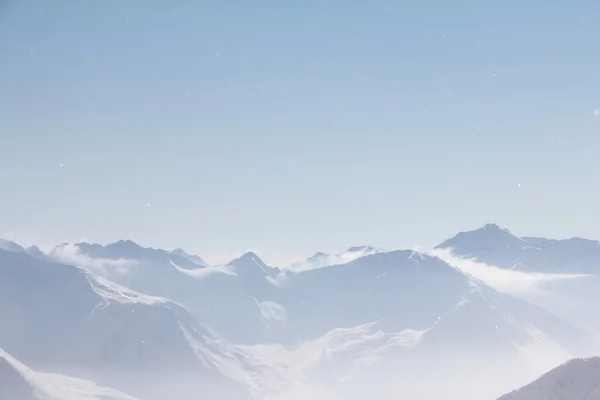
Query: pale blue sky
{"type": "Point", "coordinates": [289, 127]}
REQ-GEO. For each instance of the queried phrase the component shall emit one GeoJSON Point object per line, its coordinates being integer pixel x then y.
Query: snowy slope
{"type": "Point", "coordinates": [499, 247]}
{"type": "Point", "coordinates": [395, 313]}
{"type": "Point", "coordinates": [577, 379]}
{"type": "Point", "coordinates": [399, 290]}
{"type": "Point", "coordinates": [237, 298]}
{"type": "Point", "coordinates": [65, 319]}
{"type": "Point", "coordinates": [18, 382]}
{"type": "Point", "coordinates": [479, 349]}
{"type": "Point", "coordinates": [395, 288]}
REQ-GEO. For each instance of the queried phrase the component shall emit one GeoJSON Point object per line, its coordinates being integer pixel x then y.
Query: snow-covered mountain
{"type": "Point", "coordinates": [578, 379]}
{"type": "Point", "coordinates": [235, 295]}
{"type": "Point", "coordinates": [497, 246]}
{"type": "Point", "coordinates": [251, 266]}
{"type": "Point", "coordinates": [400, 289]}
{"type": "Point", "coordinates": [67, 320]}
{"type": "Point", "coordinates": [393, 313]}
{"type": "Point", "coordinates": [225, 296]}
{"type": "Point", "coordinates": [127, 250]}
{"type": "Point", "coordinates": [18, 382]}
{"type": "Point", "coordinates": [558, 264]}
{"type": "Point", "coordinates": [350, 322]}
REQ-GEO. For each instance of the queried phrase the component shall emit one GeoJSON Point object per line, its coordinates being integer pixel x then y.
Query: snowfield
{"type": "Point", "coordinates": [18, 382]}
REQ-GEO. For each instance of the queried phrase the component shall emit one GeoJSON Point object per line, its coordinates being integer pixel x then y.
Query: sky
{"type": "Point", "coordinates": [293, 127]}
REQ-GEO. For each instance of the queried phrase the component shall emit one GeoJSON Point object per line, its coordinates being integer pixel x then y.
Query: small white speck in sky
{"type": "Point", "coordinates": [597, 112]}
{"type": "Point", "coordinates": [60, 165]}
{"type": "Point", "coordinates": [518, 184]}
{"type": "Point", "coordinates": [149, 204]}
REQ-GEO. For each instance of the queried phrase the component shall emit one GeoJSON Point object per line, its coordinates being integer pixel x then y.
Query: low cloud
{"type": "Point", "coordinates": [71, 254]}
{"type": "Point", "coordinates": [503, 280]}
{"type": "Point", "coordinates": [201, 273]}
{"type": "Point", "coordinates": [325, 260]}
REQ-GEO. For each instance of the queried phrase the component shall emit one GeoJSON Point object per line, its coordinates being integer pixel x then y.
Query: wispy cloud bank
{"type": "Point", "coordinates": [321, 260]}
{"type": "Point", "coordinates": [71, 254]}
{"type": "Point", "coordinates": [201, 273]}
{"type": "Point", "coordinates": [503, 280]}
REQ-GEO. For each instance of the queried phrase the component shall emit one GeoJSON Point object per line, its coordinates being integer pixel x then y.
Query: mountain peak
{"type": "Point", "coordinates": [365, 249]}
{"type": "Point", "coordinates": [250, 256]}
{"type": "Point", "coordinates": [247, 261]}
{"type": "Point", "coordinates": [490, 244]}
{"type": "Point", "coordinates": [125, 243]}
{"type": "Point", "coordinates": [121, 249]}
{"type": "Point", "coordinates": [35, 252]}
{"type": "Point", "coordinates": [11, 246]}
{"type": "Point", "coordinates": [491, 226]}
{"type": "Point", "coordinates": [317, 255]}
{"type": "Point", "coordinates": [495, 231]}
{"type": "Point", "coordinates": [488, 235]}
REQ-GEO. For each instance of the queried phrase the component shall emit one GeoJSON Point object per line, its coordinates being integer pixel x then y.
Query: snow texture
{"type": "Point", "coordinates": [578, 379]}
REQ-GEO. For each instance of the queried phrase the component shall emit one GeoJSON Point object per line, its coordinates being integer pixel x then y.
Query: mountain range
{"type": "Point", "coordinates": [154, 323]}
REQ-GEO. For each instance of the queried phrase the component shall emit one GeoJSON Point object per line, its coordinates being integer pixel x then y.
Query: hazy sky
{"type": "Point", "coordinates": [290, 127]}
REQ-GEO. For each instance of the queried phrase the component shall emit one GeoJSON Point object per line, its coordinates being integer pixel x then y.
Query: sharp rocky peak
{"type": "Point", "coordinates": [248, 257]}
